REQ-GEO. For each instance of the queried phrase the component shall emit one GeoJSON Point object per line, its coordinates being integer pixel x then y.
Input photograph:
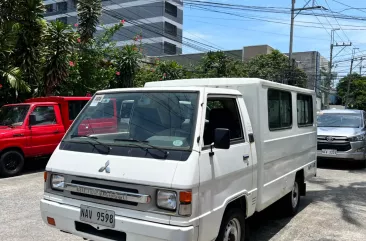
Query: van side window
{"type": "Point", "coordinates": [223, 113]}
{"type": "Point", "coordinates": [45, 115]}
{"type": "Point", "coordinates": [304, 110]}
{"type": "Point", "coordinates": [75, 106]}
{"type": "Point", "coordinates": [279, 109]}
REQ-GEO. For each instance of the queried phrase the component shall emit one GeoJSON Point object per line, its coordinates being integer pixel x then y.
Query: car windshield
{"type": "Point", "coordinates": [339, 120]}
{"type": "Point", "coordinates": [160, 119]}
{"type": "Point", "coordinates": [13, 115]}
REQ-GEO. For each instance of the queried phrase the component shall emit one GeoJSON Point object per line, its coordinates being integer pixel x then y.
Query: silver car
{"type": "Point", "coordinates": [341, 135]}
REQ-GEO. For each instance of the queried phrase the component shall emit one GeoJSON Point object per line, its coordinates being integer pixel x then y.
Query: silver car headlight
{"type": "Point", "coordinates": [167, 200]}
{"type": "Point", "coordinates": [57, 182]}
{"type": "Point", "coordinates": [357, 138]}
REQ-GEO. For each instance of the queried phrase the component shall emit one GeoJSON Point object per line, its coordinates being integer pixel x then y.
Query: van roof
{"type": "Point", "coordinates": [217, 82]}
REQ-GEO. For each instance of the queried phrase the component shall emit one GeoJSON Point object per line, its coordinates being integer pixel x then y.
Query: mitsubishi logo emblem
{"type": "Point", "coordinates": [105, 167]}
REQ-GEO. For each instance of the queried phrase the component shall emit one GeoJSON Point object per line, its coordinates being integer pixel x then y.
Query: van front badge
{"type": "Point", "coordinates": [105, 167]}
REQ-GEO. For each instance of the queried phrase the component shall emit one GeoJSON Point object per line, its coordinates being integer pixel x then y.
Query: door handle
{"type": "Point", "coordinates": [56, 131]}
{"type": "Point", "coordinates": [245, 157]}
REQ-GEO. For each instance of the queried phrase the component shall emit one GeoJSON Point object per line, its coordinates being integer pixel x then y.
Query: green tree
{"type": "Point", "coordinates": [59, 40]}
{"type": "Point", "coordinates": [357, 93]}
{"type": "Point", "coordinates": [127, 62]}
{"type": "Point", "coordinates": [28, 48]}
{"type": "Point", "coordinates": [88, 14]}
{"type": "Point", "coordinates": [275, 67]}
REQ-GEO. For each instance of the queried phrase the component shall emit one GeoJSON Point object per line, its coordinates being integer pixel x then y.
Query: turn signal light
{"type": "Point", "coordinates": [185, 197]}
{"type": "Point", "coordinates": [45, 176]}
{"type": "Point", "coordinates": [51, 221]}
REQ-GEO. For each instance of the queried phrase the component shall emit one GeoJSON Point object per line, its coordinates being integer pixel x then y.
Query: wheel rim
{"type": "Point", "coordinates": [295, 195]}
{"type": "Point", "coordinates": [12, 161]}
{"type": "Point", "coordinates": [233, 230]}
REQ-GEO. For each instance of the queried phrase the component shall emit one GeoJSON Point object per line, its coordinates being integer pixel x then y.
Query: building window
{"type": "Point", "coordinates": [171, 9]}
{"type": "Point", "coordinates": [49, 8]}
{"type": "Point", "coordinates": [75, 107]}
{"type": "Point", "coordinates": [170, 48]}
{"type": "Point", "coordinates": [304, 110]}
{"type": "Point", "coordinates": [279, 110]}
{"type": "Point", "coordinates": [62, 6]}
{"type": "Point", "coordinates": [170, 29]}
{"type": "Point", "coordinates": [62, 20]}
{"type": "Point", "coordinates": [217, 108]}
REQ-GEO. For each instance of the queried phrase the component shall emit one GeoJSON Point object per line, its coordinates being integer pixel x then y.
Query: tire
{"type": "Point", "coordinates": [291, 201]}
{"type": "Point", "coordinates": [232, 226]}
{"type": "Point", "coordinates": [11, 163]}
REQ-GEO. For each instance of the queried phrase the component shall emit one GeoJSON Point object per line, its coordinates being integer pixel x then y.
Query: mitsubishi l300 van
{"type": "Point", "coordinates": [194, 161]}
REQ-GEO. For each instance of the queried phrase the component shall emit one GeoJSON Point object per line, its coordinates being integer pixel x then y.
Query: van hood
{"type": "Point", "coordinates": [338, 131]}
{"type": "Point", "coordinates": [145, 171]}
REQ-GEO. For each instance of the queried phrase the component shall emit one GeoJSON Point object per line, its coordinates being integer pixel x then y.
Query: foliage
{"type": "Point", "coordinates": [357, 93]}
{"type": "Point", "coordinates": [59, 42]}
{"type": "Point", "coordinates": [127, 62]}
{"type": "Point", "coordinates": [29, 43]}
{"type": "Point", "coordinates": [88, 14]}
{"type": "Point", "coordinates": [217, 65]}
{"type": "Point", "coordinates": [275, 67]}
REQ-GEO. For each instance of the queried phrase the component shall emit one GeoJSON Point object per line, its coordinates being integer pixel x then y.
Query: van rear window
{"type": "Point", "coordinates": [279, 109]}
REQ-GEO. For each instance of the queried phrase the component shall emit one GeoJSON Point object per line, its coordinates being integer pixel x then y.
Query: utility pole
{"type": "Point", "coordinates": [293, 16]}
{"type": "Point", "coordinates": [329, 77]}
{"type": "Point", "coordinates": [361, 66]}
{"type": "Point", "coordinates": [350, 76]}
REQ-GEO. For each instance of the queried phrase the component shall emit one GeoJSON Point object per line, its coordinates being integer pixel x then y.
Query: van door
{"type": "Point", "coordinates": [227, 174]}
{"type": "Point", "coordinates": [47, 131]}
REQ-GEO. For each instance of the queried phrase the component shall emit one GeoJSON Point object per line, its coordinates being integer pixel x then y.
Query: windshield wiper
{"type": "Point", "coordinates": [94, 138]}
{"type": "Point", "coordinates": [166, 153]}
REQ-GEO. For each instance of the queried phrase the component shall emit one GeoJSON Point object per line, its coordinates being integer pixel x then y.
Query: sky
{"type": "Point", "coordinates": [227, 32]}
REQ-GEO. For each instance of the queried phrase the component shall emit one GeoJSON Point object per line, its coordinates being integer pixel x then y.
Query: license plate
{"type": "Point", "coordinates": [97, 216]}
{"type": "Point", "coordinates": [329, 152]}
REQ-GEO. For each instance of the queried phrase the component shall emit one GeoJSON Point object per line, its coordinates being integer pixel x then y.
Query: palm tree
{"type": "Point", "coordinates": [88, 14]}
{"type": "Point", "coordinates": [59, 40]}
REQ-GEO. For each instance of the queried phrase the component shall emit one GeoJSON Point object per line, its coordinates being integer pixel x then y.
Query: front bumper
{"type": "Point", "coordinates": [356, 156]}
{"type": "Point", "coordinates": [65, 217]}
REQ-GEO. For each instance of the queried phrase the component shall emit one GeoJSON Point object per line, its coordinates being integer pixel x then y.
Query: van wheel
{"type": "Point", "coordinates": [291, 201]}
{"type": "Point", "coordinates": [11, 163]}
{"type": "Point", "coordinates": [232, 226]}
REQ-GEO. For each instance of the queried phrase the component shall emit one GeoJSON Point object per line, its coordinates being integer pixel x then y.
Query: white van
{"type": "Point", "coordinates": [167, 178]}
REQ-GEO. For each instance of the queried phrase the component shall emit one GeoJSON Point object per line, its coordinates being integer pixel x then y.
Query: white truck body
{"type": "Point", "coordinates": [259, 168]}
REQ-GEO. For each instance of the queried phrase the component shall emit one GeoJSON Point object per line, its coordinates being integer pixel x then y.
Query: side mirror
{"type": "Point", "coordinates": [32, 120]}
{"type": "Point", "coordinates": [222, 138]}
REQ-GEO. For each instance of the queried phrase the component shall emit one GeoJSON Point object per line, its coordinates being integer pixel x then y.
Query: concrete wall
{"type": "Point", "coordinates": [252, 51]}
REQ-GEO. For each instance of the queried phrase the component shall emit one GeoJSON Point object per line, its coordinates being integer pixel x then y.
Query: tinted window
{"type": "Point", "coordinates": [104, 109]}
{"type": "Point", "coordinates": [304, 110]}
{"type": "Point", "coordinates": [170, 48]}
{"type": "Point", "coordinates": [223, 113]}
{"type": "Point", "coordinates": [44, 115]}
{"type": "Point", "coordinates": [171, 9]}
{"type": "Point", "coordinates": [62, 6]}
{"type": "Point", "coordinates": [13, 115]}
{"type": "Point", "coordinates": [170, 29]}
{"type": "Point", "coordinates": [279, 109]}
{"type": "Point", "coordinates": [75, 107]}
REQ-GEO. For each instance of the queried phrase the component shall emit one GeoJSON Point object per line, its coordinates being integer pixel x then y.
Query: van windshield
{"type": "Point", "coordinates": [165, 120]}
{"type": "Point", "coordinates": [339, 120]}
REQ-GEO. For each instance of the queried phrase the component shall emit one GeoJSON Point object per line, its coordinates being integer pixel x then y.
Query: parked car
{"type": "Point", "coordinates": [341, 135]}
{"type": "Point", "coordinates": [34, 129]}
{"type": "Point", "coordinates": [179, 174]}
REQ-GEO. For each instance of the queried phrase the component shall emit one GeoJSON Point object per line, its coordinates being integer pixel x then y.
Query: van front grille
{"type": "Point", "coordinates": [335, 146]}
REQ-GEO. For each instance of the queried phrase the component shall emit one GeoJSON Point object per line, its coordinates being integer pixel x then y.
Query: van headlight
{"type": "Point", "coordinates": [357, 138]}
{"type": "Point", "coordinates": [57, 182]}
{"type": "Point", "coordinates": [167, 200]}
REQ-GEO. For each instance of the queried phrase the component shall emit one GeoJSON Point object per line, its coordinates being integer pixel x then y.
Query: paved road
{"type": "Point", "coordinates": [334, 209]}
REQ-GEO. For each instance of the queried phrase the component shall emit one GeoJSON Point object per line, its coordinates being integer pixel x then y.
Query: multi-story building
{"type": "Point", "coordinates": [159, 22]}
